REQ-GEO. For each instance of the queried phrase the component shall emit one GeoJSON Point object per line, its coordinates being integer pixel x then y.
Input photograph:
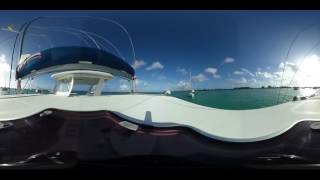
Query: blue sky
{"type": "Point", "coordinates": [222, 49]}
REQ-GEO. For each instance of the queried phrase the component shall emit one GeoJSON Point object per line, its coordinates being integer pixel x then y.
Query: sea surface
{"type": "Point", "coordinates": [234, 99]}
{"type": "Point", "coordinates": [240, 99]}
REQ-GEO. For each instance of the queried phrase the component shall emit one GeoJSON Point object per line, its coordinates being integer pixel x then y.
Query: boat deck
{"type": "Point", "coordinates": [166, 111]}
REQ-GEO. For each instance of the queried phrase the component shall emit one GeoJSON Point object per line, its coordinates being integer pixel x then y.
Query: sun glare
{"type": "Point", "coordinates": [309, 72]}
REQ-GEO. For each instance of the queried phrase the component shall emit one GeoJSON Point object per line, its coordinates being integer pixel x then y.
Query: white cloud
{"type": "Point", "coordinates": [155, 65]}
{"type": "Point", "coordinates": [253, 80]}
{"type": "Point", "coordinates": [287, 74]}
{"type": "Point", "coordinates": [243, 71]}
{"type": "Point", "coordinates": [124, 87]}
{"type": "Point", "coordinates": [242, 80]}
{"type": "Point", "coordinates": [141, 82]}
{"type": "Point", "coordinates": [4, 70]}
{"type": "Point", "coordinates": [247, 71]}
{"type": "Point", "coordinates": [138, 63]}
{"type": "Point", "coordinates": [199, 78]}
{"type": "Point", "coordinates": [265, 78]}
{"type": "Point", "coordinates": [184, 85]}
{"type": "Point", "coordinates": [216, 76]}
{"type": "Point", "coordinates": [211, 70]}
{"type": "Point", "coordinates": [228, 60]}
{"type": "Point", "coordinates": [182, 71]}
{"type": "Point", "coordinates": [238, 72]}
{"type": "Point", "coordinates": [266, 75]}
{"type": "Point", "coordinates": [287, 65]}
{"type": "Point", "coordinates": [280, 77]}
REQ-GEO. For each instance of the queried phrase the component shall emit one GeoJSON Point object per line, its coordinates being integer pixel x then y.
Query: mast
{"type": "Point", "coordinates": [190, 79]}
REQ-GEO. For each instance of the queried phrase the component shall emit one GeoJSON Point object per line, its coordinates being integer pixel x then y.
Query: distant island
{"type": "Point", "coordinates": [6, 90]}
{"type": "Point", "coordinates": [247, 87]}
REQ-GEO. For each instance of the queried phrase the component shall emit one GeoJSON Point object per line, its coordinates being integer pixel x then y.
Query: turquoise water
{"type": "Point", "coordinates": [240, 99]}
{"type": "Point", "coordinates": [236, 99]}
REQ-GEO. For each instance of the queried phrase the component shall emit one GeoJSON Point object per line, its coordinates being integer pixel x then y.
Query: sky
{"type": "Point", "coordinates": [215, 49]}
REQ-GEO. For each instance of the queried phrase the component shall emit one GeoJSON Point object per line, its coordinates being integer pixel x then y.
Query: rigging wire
{"type": "Point", "coordinates": [288, 52]}
{"type": "Point", "coordinates": [73, 33]}
{"type": "Point", "coordinates": [107, 20]}
{"type": "Point", "coordinates": [78, 30]}
{"type": "Point", "coordinates": [94, 34]}
{"type": "Point", "coordinates": [24, 27]}
{"type": "Point", "coordinates": [109, 42]}
{"type": "Point", "coordinates": [300, 63]}
{"type": "Point", "coordinates": [32, 34]}
{"type": "Point", "coordinates": [22, 30]}
{"type": "Point", "coordinates": [88, 32]}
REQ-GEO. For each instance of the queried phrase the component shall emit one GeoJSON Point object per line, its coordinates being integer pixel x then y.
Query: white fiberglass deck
{"type": "Point", "coordinates": [163, 111]}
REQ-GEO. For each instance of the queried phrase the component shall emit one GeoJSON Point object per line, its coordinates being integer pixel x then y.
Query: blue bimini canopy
{"type": "Point", "coordinates": [73, 58]}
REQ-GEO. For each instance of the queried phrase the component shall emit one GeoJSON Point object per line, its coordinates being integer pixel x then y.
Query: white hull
{"type": "Point", "coordinates": [164, 111]}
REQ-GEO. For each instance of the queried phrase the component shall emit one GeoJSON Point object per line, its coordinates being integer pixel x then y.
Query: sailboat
{"type": "Point", "coordinates": [192, 92]}
{"type": "Point", "coordinates": [167, 92]}
{"type": "Point", "coordinates": [97, 126]}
